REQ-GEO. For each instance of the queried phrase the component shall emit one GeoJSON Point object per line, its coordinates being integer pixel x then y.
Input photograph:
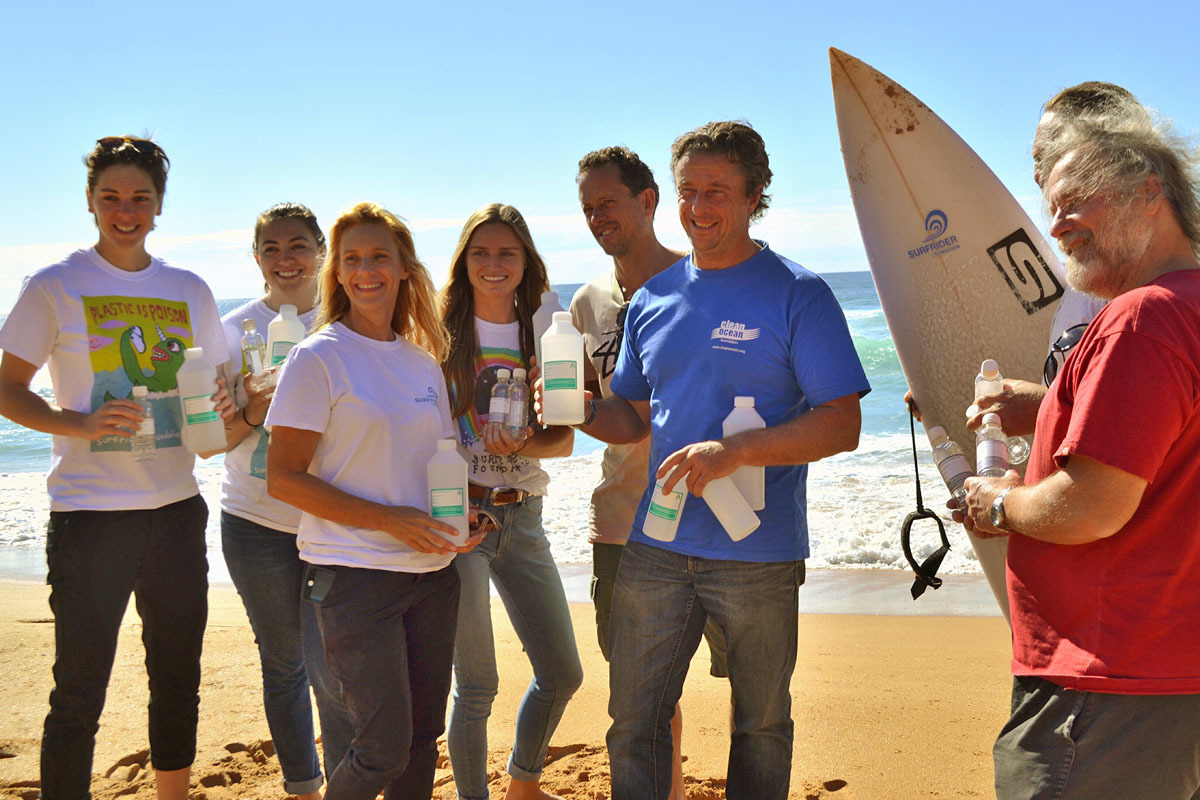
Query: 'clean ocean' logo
{"type": "Point", "coordinates": [731, 332]}
{"type": "Point", "coordinates": [936, 240]}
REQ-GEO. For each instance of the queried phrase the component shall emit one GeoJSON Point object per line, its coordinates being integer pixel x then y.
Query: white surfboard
{"type": "Point", "coordinates": [962, 273]}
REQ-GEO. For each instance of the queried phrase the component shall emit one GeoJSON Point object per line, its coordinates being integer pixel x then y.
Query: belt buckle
{"type": "Point", "coordinates": [505, 496]}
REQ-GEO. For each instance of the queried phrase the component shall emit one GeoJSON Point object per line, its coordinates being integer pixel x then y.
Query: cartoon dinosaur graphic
{"type": "Point", "coordinates": [166, 356]}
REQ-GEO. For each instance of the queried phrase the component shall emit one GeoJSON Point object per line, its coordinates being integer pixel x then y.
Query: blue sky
{"type": "Point", "coordinates": [436, 109]}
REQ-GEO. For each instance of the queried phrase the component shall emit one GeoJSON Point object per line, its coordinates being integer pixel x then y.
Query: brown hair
{"type": "Point", "coordinates": [635, 175]}
{"type": "Point", "coordinates": [458, 303]}
{"type": "Point", "coordinates": [141, 153]}
{"type": "Point", "coordinates": [415, 315]}
{"type": "Point", "coordinates": [739, 143]}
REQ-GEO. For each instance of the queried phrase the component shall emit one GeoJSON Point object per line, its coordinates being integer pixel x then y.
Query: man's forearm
{"type": "Point", "coordinates": [619, 421]}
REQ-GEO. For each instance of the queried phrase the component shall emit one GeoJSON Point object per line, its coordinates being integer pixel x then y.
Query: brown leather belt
{"type": "Point", "coordinates": [497, 496]}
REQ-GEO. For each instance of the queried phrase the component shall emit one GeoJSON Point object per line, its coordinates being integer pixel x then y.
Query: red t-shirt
{"type": "Point", "coordinates": [1122, 614]}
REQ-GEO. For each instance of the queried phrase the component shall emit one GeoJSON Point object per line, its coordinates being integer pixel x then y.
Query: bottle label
{"type": "Point", "coordinates": [497, 409]}
{"type": "Point", "coordinates": [253, 359]}
{"type": "Point", "coordinates": [446, 503]}
{"type": "Point", "coordinates": [560, 375]}
{"type": "Point", "coordinates": [991, 454]}
{"type": "Point", "coordinates": [516, 413]}
{"type": "Point", "coordinates": [279, 351]}
{"type": "Point", "coordinates": [199, 409]}
{"type": "Point", "coordinates": [665, 506]}
{"type": "Point", "coordinates": [955, 470]}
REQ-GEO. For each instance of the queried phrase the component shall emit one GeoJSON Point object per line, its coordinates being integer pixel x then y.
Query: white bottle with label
{"type": "Point", "coordinates": [448, 499]}
{"type": "Point", "coordinates": [730, 508]}
{"type": "Point", "coordinates": [562, 373]}
{"type": "Point", "coordinates": [951, 463]}
{"type": "Point", "coordinates": [498, 404]}
{"type": "Point", "coordinates": [750, 480]}
{"type": "Point", "coordinates": [143, 444]}
{"type": "Point", "coordinates": [543, 318]}
{"type": "Point", "coordinates": [664, 511]}
{"type": "Point", "coordinates": [991, 448]}
{"type": "Point", "coordinates": [282, 334]}
{"type": "Point", "coordinates": [203, 430]}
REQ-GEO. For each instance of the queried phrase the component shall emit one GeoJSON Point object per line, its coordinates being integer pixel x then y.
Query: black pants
{"type": "Point", "coordinates": [96, 559]}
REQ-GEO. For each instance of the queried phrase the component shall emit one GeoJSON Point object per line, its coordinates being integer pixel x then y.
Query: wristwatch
{"type": "Point", "coordinates": [999, 518]}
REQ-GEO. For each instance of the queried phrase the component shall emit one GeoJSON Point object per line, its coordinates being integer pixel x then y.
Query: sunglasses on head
{"type": "Point", "coordinates": [1059, 350]}
{"type": "Point", "coordinates": [143, 146]}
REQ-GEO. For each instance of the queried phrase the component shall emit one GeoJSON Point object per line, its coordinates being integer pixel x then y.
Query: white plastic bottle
{"type": "Point", "coordinates": [951, 463]}
{"type": "Point", "coordinates": [730, 508]}
{"type": "Point", "coordinates": [750, 480]}
{"type": "Point", "coordinates": [203, 430]}
{"type": "Point", "coordinates": [543, 318]}
{"type": "Point", "coordinates": [144, 439]}
{"type": "Point", "coordinates": [991, 448]}
{"type": "Point", "coordinates": [282, 333]}
{"type": "Point", "coordinates": [254, 349]}
{"type": "Point", "coordinates": [448, 499]}
{"type": "Point", "coordinates": [990, 381]}
{"type": "Point", "coordinates": [518, 405]}
{"type": "Point", "coordinates": [562, 373]}
{"type": "Point", "coordinates": [498, 405]}
{"type": "Point", "coordinates": [664, 511]}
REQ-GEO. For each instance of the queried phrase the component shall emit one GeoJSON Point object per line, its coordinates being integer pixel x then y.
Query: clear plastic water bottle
{"type": "Point", "coordinates": [143, 443]}
{"type": "Point", "coordinates": [498, 405]}
{"type": "Point", "coordinates": [518, 405]}
{"type": "Point", "coordinates": [989, 381]}
{"type": "Point", "coordinates": [254, 351]}
{"type": "Point", "coordinates": [951, 463]}
{"type": "Point", "coordinates": [991, 448]}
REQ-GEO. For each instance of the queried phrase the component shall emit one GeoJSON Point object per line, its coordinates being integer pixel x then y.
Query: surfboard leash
{"type": "Point", "coordinates": [926, 571]}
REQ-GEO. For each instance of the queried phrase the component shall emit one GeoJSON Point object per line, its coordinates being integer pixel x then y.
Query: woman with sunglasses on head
{"type": "Point", "coordinates": [106, 320]}
{"type": "Point", "coordinates": [358, 411]}
{"type": "Point", "coordinates": [496, 281]}
{"type": "Point", "coordinates": [258, 533]}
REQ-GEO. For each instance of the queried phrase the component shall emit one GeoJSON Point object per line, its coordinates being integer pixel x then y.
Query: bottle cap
{"type": "Point", "coordinates": [249, 325]}
{"type": "Point", "coordinates": [989, 369]}
{"type": "Point", "coordinates": [287, 310]}
{"type": "Point", "coordinates": [991, 419]}
{"type": "Point", "coordinates": [562, 317]}
{"type": "Point", "coordinates": [193, 352]}
{"type": "Point", "coordinates": [550, 296]}
{"type": "Point", "coordinates": [502, 374]}
{"type": "Point", "coordinates": [519, 374]}
{"type": "Point", "coordinates": [937, 435]}
{"type": "Point", "coordinates": [743, 402]}
{"type": "Point", "coordinates": [447, 444]}
{"type": "Point", "coordinates": [140, 391]}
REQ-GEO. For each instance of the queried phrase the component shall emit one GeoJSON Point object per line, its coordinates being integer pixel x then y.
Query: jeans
{"type": "Point", "coordinates": [1063, 744]}
{"type": "Point", "coordinates": [267, 571]}
{"type": "Point", "coordinates": [389, 641]}
{"type": "Point", "coordinates": [96, 559]}
{"type": "Point", "coordinates": [661, 603]}
{"type": "Point", "coordinates": [519, 561]}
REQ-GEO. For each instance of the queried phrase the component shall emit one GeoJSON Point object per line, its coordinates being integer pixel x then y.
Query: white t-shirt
{"type": "Point", "coordinates": [380, 408]}
{"type": "Point", "coordinates": [103, 330]}
{"type": "Point", "coordinates": [500, 348]}
{"type": "Point", "coordinates": [244, 490]}
{"type": "Point", "coordinates": [596, 311]}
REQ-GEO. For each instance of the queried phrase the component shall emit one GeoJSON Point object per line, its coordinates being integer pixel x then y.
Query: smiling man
{"type": "Point", "coordinates": [731, 318]}
{"type": "Point", "coordinates": [1104, 549]}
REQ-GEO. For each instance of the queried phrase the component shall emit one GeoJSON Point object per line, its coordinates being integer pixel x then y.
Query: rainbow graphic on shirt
{"type": "Point", "coordinates": [138, 341]}
{"type": "Point", "coordinates": [470, 425]}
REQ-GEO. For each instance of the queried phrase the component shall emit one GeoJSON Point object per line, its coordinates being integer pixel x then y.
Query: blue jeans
{"type": "Point", "coordinates": [267, 571]}
{"type": "Point", "coordinates": [389, 640]}
{"type": "Point", "coordinates": [661, 603]}
{"type": "Point", "coordinates": [96, 559]}
{"type": "Point", "coordinates": [517, 556]}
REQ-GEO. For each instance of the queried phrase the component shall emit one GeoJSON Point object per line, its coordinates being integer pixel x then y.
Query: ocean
{"type": "Point", "coordinates": [857, 501]}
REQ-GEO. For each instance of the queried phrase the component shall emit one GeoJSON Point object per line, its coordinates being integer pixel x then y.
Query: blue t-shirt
{"type": "Point", "coordinates": [695, 339]}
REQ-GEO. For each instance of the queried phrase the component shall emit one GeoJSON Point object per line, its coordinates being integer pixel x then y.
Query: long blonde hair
{"type": "Point", "coordinates": [415, 316]}
{"type": "Point", "coordinates": [457, 300]}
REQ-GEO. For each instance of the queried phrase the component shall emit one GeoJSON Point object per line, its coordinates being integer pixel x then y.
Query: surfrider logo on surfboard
{"type": "Point", "coordinates": [936, 223]}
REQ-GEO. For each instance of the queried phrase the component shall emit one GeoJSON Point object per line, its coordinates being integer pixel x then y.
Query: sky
{"type": "Point", "coordinates": [434, 109]}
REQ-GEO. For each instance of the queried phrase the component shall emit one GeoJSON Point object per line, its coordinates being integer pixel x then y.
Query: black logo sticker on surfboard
{"type": "Point", "coordinates": [1030, 279]}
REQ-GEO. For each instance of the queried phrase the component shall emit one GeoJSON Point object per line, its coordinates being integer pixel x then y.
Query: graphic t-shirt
{"type": "Point", "coordinates": [244, 489]}
{"type": "Point", "coordinates": [598, 312]}
{"type": "Point", "coordinates": [500, 348]}
{"type": "Point", "coordinates": [380, 408]}
{"type": "Point", "coordinates": [104, 330]}
{"type": "Point", "coordinates": [695, 339]}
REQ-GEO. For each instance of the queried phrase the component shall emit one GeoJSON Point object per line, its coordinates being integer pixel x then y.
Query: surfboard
{"type": "Point", "coordinates": [962, 273]}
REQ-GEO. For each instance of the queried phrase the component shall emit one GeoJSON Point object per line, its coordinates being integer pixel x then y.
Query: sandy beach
{"type": "Point", "coordinates": [887, 706]}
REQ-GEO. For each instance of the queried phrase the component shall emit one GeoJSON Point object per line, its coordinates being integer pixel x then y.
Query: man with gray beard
{"type": "Point", "coordinates": [1104, 533]}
